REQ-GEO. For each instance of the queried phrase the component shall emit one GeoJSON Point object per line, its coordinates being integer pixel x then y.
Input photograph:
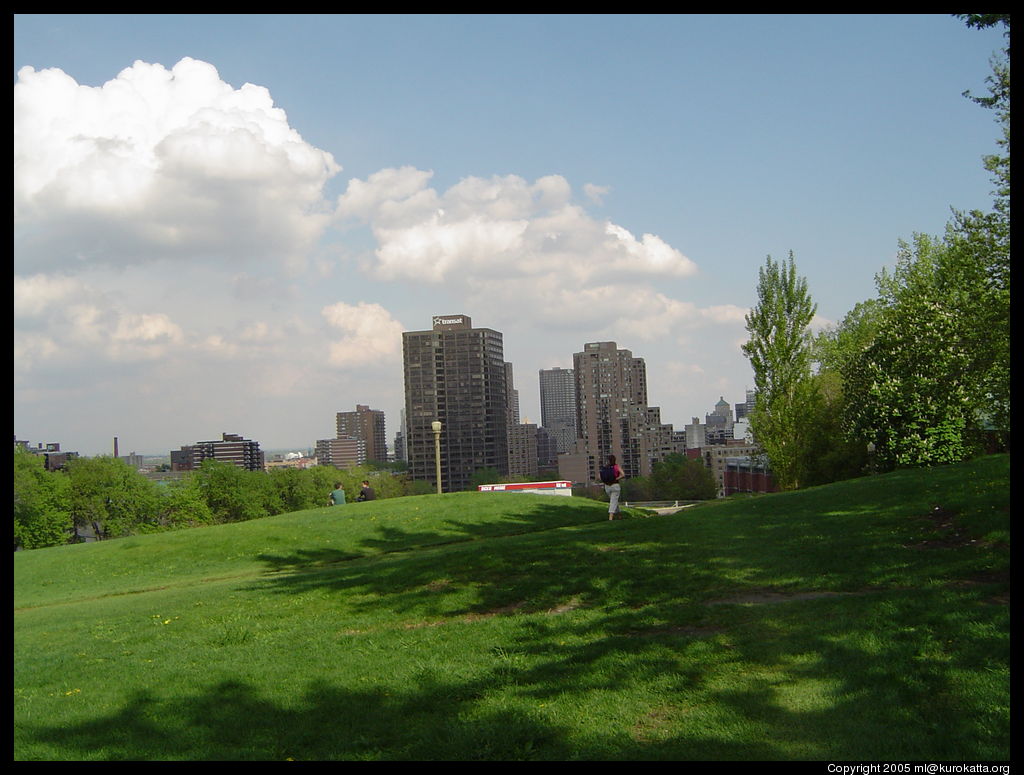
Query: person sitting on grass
{"type": "Point", "coordinates": [366, 493]}
{"type": "Point", "coordinates": [337, 495]}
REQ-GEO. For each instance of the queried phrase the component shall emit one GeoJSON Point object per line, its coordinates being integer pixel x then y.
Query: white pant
{"type": "Point", "coordinates": [613, 490]}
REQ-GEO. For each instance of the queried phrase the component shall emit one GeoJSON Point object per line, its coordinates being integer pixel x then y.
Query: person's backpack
{"type": "Point", "coordinates": [608, 474]}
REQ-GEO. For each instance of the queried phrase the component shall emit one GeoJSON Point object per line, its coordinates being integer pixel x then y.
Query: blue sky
{"type": "Point", "coordinates": [195, 256]}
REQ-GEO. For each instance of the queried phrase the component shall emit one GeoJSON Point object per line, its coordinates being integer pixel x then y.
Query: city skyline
{"type": "Point", "coordinates": [243, 213]}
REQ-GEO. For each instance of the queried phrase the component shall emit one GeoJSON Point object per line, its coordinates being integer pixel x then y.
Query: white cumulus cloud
{"type": "Point", "coordinates": [367, 334]}
{"type": "Point", "coordinates": [501, 226]}
{"type": "Point", "coordinates": [159, 163]}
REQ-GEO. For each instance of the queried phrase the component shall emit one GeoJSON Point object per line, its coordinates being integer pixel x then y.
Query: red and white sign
{"type": "Point", "coordinates": [539, 488]}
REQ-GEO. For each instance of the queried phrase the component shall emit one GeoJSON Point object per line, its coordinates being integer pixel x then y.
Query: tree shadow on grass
{"type": "Point", "coordinates": [233, 722]}
{"type": "Point", "coordinates": [821, 691]}
{"type": "Point", "coordinates": [642, 591]}
{"type": "Point", "coordinates": [397, 536]}
{"type": "Point", "coordinates": [632, 564]}
{"type": "Point", "coordinates": [436, 721]}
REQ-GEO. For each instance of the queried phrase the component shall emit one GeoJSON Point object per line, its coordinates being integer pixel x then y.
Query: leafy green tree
{"type": "Point", "coordinates": [106, 491]}
{"type": "Point", "coordinates": [974, 269]}
{"type": "Point", "coordinates": [901, 382]}
{"type": "Point", "coordinates": [837, 346]}
{"type": "Point", "coordinates": [396, 466]}
{"type": "Point", "coordinates": [42, 512]}
{"type": "Point", "coordinates": [385, 484]}
{"type": "Point", "coordinates": [678, 477]}
{"type": "Point", "coordinates": [306, 488]}
{"type": "Point", "coordinates": [183, 504]}
{"type": "Point", "coordinates": [918, 391]}
{"type": "Point", "coordinates": [637, 488]}
{"type": "Point", "coordinates": [779, 350]}
{"type": "Point", "coordinates": [417, 487]}
{"type": "Point", "coordinates": [831, 452]}
{"type": "Point", "coordinates": [483, 476]}
{"type": "Point", "coordinates": [234, 494]}
{"type": "Point", "coordinates": [828, 452]}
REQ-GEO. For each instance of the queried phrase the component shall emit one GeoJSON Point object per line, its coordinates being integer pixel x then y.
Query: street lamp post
{"type": "Point", "coordinates": [436, 427]}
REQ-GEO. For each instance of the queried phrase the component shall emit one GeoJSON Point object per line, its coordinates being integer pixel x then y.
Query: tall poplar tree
{"type": "Point", "coordinates": [779, 350]}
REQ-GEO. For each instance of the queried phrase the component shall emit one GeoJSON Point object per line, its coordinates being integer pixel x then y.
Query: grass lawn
{"type": "Point", "coordinates": [866, 620]}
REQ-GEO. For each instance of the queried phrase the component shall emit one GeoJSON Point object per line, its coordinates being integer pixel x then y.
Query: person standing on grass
{"type": "Point", "coordinates": [611, 475]}
{"type": "Point", "coordinates": [338, 495]}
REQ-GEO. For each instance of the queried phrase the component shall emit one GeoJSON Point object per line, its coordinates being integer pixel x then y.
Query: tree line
{"type": "Point", "coordinates": [105, 495]}
{"type": "Point", "coordinates": [919, 375]}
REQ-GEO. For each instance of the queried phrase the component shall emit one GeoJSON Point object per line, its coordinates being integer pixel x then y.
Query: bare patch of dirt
{"type": "Point", "coordinates": [986, 578]}
{"type": "Point", "coordinates": [474, 617]}
{"type": "Point", "coordinates": [421, 625]}
{"type": "Point", "coordinates": [767, 596]}
{"type": "Point", "coordinates": [653, 725]}
{"type": "Point", "coordinates": [684, 631]}
{"type": "Point", "coordinates": [567, 606]}
{"type": "Point", "coordinates": [951, 535]}
{"type": "Point", "coordinates": [504, 610]}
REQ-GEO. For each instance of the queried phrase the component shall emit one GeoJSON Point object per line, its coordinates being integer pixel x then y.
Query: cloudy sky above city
{"type": "Point", "coordinates": [224, 223]}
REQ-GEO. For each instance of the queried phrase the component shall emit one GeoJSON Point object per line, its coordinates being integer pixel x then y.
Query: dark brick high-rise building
{"type": "Point", "coordinates": [231, 448]}
{"type": "Point", "coordinates": [367, 425]}
{"type": "Point", "coordinates": [456, 374]}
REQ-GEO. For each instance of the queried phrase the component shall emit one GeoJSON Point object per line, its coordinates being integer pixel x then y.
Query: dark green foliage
{"type": "Point", "coordinates": [483, 476]}
{"type": "Point", "coordinates": [300, 489]}
{"type": "Point", "coordinates": [936, 373]}
{"type": "Point", "coordinates": [42, 513]}
{"type": "Point", "coordinates": [678, 477]}
{"type": "Point", "coordinates": [385, 484]}
{"type": "Point", "coordinates": [106, 491]}
{"type": "Point", "coordinates": [637, 489]}
{"type": "Point", "coordinates": [418, 487]}
{"type": "Point", "coordinates": [827, 454]}
{"type": "Point", "coordinates": [183, 505]}
{"type": "Point", "coordinates": [234, 494]}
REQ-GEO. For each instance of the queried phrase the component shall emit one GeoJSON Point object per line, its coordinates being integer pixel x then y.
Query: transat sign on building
{"type": "Point", "coordinates": [455, 374]}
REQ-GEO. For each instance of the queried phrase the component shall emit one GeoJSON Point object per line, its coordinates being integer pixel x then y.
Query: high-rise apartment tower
{"type": "Point", "coordinates": [231, 448]}
{"type": "Point", "coordinates": [558, 406]}
{"type": "Point", "coordinates": [366, 425]}
{"type": "Point", "coordinates": [611, 408]}
{"type": "Point", "coordinates": [455, 374]}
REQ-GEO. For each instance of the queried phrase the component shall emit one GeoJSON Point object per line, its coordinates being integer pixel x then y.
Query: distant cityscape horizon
{"type": "Point", "coordinates": [149, 451]}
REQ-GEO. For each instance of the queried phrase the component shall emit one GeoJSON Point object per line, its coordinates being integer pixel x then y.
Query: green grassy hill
{"type": "Point", "coordinates": [866, 620]}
